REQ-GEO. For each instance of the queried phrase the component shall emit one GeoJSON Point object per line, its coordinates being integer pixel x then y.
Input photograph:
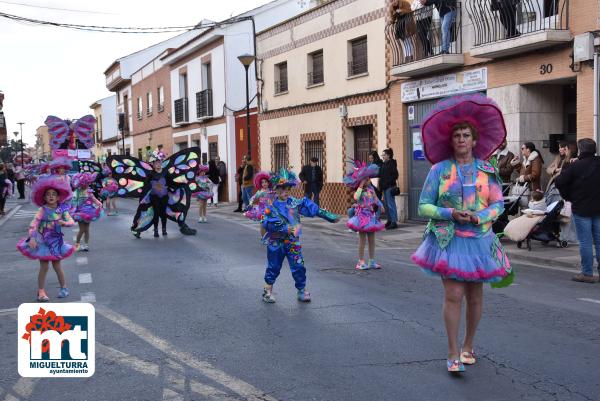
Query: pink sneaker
{"type": "Point", "coordinates": [361, 265]}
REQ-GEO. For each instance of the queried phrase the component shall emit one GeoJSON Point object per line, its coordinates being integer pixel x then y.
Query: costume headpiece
{"type": "Point", "coordinates": [262, 175]}
{"type": "Point", "coordinates": [60, 162]}
{"type": "Point", "coordinates": [203, 168]}
{"type": "Point", "coordinates": [359, 172]}
{"type": "Point", "coordinates": [157, 155]}
{"type": "Point", "coordinates": [284, 178]}
{"type": "Point", "coordinates": [83, 180]}
{"type": "Point", "coordinates": [60, 185]}
{"type": "Point", "coordinates": [481, 112]}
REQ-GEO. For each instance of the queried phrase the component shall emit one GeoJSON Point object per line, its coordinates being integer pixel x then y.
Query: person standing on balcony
{"type": "Point", "coordinates": [508, 15]}
{"type": "Point", "coordinates": [401, 15]}
{"type": "Point", "coordinates": [447, 11]}
{"type": "Point", "coordinates": [423, 16]}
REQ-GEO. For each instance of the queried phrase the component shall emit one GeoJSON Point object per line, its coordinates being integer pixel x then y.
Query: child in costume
{"type": "Point", "coordinates": [204, 192]}
{"type": "Point", "coordinates": [281, 222]}
{"type": "Point", "coordinates": [108, 193]}
{"type": "Point", "coordinates": [262, 199]}
{"type": "Point", "coordinates": [365, 214]}
{"type": "Point", "coordinates": [45, 240]}
{"type": "Point", "coordinates": [86, 207]}
{"type": "Point", "coordinates": [59, 168]}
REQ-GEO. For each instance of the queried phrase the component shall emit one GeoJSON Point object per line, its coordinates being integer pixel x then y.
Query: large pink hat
{"type": "Point", "coordinates": [83, 180]}
{"type": "Point", "coordinates": [60, 162]}
{"type": "Point", "coordinates": [359, 172]}
{"type": "Point", "coordinates": [481, 112]}
{"type": "Point", "coordinates": [45, 183]}
{"type": "Point", "coordinates": [262, 175]}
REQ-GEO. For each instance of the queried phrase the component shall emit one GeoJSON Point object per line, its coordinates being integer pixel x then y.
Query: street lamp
{"type": "Point", "coordinates": [246, 60]}
{"type": "Point", "coordinates": [22, 161]}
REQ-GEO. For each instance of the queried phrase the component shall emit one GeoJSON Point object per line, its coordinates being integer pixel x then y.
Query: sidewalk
{"type": "Point", "coordinates": [411, 234]}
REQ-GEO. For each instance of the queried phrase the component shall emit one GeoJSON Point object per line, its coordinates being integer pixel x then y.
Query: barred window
{"type": "Point", "coordinates": [281, 156]}
{"type": "Point", "coordinates": [281, 77]}
{"type": "Point", "coordinates": [313, 149]}
{"type": "Point", "coordinates": [315, 68]}
{"type": "Point", "coordinates": [358, 57]}
{"type": "Point", "coordinates": [213, 150]}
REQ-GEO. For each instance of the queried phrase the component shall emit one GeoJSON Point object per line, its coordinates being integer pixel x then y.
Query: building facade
{"type": "Point", "coordinates": [105, 111]}
{"type": "Point", "coordinates": [3, 132]}
{"type": "Point", "coordinates": [535, 59]}
{"type": "Point", "coordinates": [324, 91]}
{"type": "Point", "coordinates": [42, 144]}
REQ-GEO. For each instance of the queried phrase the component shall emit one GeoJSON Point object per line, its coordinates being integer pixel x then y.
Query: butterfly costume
{"type": "Point", "coordinates": [164, 194]}
{"type": "Point", "coordinates": [66, 134]}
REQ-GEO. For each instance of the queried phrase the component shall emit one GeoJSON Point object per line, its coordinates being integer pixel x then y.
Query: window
{"type": "Point", "coordinates": [140, 154]}
{"type": "Point", "coordinates": [315, 68]}
{"type": "Point", "coordinates": [357, 55]}
{"type": "Point", "coordinates": [149, 103]}
{"type": "Point", "coordinates": [281, 156]}
{"type": "Point", "coordinates": [139, 108]}
{"type": "Point", "coordinates": [109, 152]}
{"type": "Point", "coordinates": [206, 76]}
{"type": "Point", "coordinates": [281, 78]}
{"type": "Point", "coordinates": [183, 86]}
{"type": "Point", "coordinates": [161, 99]}
{"type": "Point", "coordinates": [313, 149]}
{"type": "Point", "coordinates": [128, 151]}
{"type": "Point", "coordinates": [213, 150]}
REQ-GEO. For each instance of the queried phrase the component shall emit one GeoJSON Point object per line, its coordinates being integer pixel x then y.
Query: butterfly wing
{"type": "Point", "coordinates": [178, 204]}
{"type": "Point", "coordinates": [89, 166]}
{"type": "Point", "coordinates": [144, 215]}
{"type": "Point", "coordinates": [181, 168]}
{"type": "Point", "coordinates": [58, 130]}
{"type": "Point", "coordinates": [132, 175]}
{"type": "Point", "coordinates": [84, 130]}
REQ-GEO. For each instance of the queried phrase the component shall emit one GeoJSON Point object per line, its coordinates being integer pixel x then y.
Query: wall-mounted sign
{"type": "Point", "coordinates": [411, 113]}
{"type": "Point", "coordinates": [81, 154]}
{"type": "Point", "coordinates": [445, 85]}
{"type": "Point", "coordinates": [417, 146]}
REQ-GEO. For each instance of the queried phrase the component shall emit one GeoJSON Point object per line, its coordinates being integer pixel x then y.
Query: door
{"type": "Point", "coordinates": [363, 142]}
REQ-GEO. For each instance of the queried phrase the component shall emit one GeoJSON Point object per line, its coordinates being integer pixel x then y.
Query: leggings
{"type": "Point", "coordinates": [160, 211]}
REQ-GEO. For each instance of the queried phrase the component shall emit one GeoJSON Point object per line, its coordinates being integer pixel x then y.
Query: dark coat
{"type": "Point", "coordinates": [504, 166]}
{"type": "Point", "coordinates": [579, 183]}
{"type": "Point", "coordinates": [306, 175]}
{"type": "Point", "coordinates": [443, 6]}
{"type": "Point", "coordinates": [388, 174]}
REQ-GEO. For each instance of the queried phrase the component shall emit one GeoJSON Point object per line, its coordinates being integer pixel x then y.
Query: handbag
{"type": "Point", "coordinates": [395, 191]}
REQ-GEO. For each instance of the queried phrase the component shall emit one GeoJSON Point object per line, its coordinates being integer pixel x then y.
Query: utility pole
{"type": "Point", "coordinates": [22, 161]}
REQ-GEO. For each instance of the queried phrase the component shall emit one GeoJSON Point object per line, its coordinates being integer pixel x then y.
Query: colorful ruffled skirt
{"type": "Point", "coordinates": [479, 260]}
{"type": "Point", "coordinates": [363, 220]}
{"type": "Point", "coordinates": [50, 248]}
{"type": "Point", "coordinates": [204, 194]}
{"type": "Point", "coordinates": [87, 212]}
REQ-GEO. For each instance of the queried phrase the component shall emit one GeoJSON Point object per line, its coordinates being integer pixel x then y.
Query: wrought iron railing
{"type": "Point", "coordinates": [181, 110]}
{"type": "Point", "coordinates": [418, 35]}
{"type": "Point", "coordinates": [315, 78]}
{"type": "Point", "coordinates": [281, 86]}
{"type": "Point", "coordinates": [204, 103]}
{"type": "Point", "coordinates": [495, 20]}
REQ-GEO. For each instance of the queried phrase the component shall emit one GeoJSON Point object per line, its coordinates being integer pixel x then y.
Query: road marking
{"type": "Point", "coordinates": [239, 386]}
{"type": "Point", "coordinates": [170, 395]}
{"type": "Point", "coordinates": [4, 312]}
{"type": "Point", "coordinates": [10, 214]}
{"type": "Point", "coordinates": [23, 387]}
{"type": "Point", "coordinates": [81, 260]}
{"type": "Point", "coordinates": [85, 278]}
{"type": "Point", "coordinates": [147, 368]}
{"type": "Point", "coordinates": [595, 301]}
{"type": "Point", "coordinates": [88, 297]}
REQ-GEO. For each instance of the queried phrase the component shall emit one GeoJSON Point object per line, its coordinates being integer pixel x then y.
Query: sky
{"type": "Point", "coordinates": [57, 71]}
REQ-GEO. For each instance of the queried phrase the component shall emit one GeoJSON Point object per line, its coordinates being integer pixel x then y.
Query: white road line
{"type": "Point", "coordinates": [147, 368]}
{"type": "Point", "coordinates": [170, 395]}
{"type": "Point", "coordinates": [595, 301]}
{"type": "Point", "coordinates": [239, 386]}
{"type": "Point", "coordinates": [85, 278]}
{"type": "Point", "coordinates": [10, 214]}
{"type": "Point", "coordinates": [81, 260]}
{"type": "Point", "coordinates": [23, 387]}
{"type": "Point", "coordinates": [88, 297]}
{"type": "Point", "coordinates": [11, 311]}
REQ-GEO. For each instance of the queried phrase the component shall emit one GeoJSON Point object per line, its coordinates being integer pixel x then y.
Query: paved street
{"type": "Point", "coordinates": [180, 318]}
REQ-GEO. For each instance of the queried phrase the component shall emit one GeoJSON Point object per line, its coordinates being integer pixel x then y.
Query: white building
{"type": "Point", "coordinates": [105, 111]}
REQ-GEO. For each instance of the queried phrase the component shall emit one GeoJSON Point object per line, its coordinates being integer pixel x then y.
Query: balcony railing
{"type": "Point", "coordinates": [139, 115]}
{"type": "Point", "coordinates": [149, 111]}
{"type": "Point", "coordinates": [281, 86]}
{"type": "Point", "coordinates": [418, 35]}
{"type": "Point", "coordinates": [495, 20]}
{"type": "Point", "coordinates": [161, 107]}
{"type": "Point", "coordinates": [204, 103]}
{"type": "Point", "coordinates": [315, 78]}
{"type": "Point", "coordinates": [358, 67]}
{"type": "Point", "coordinates": [181, 110]}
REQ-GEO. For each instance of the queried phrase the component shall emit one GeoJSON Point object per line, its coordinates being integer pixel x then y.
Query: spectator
{"type": "Point", "coordinates": [10, 174]}
{"type": "Point", "coordinates": [311, 176]}
{"type": "Point", "coordinates": [530, 171]}
{"type": "Point", "coordinates": [375, 159]}
{"type": "Point", "coordinates": [248, 181]}
{"type": "Point", "coordinates": [3, 184]}
{"type": "Point", "coordinates": [401, 15]}
{"type": "Point", "coordinates": [423, 15]}
{"type": "Point", "coordinates": [579, 183]}
{"type": "Point", "coordinates": [558, 163]}
{"type": "Point", "coordinates": [388, 175]}
{"type": "Point", "coordinates": [238, 180]}
{"type": "Point", "coordinates": [447, 11]}
{"type": "Point", "coordinates": [503, 158]}
{"type": "Point", "coordinates": [508, 15]}
{"type": "Point", "coordinates": [20, 177]}
{"type": "Point", "coordinates": [215, 179]}
{"type": "Point", "coordinates": [222, 175]}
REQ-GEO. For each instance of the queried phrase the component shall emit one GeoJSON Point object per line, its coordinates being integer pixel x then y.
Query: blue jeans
{"type": "Point", "coordinates": [588, 234]}
{"type": "Point", "coordinates": [246, 195]}
{"type": "Point", "coordinates": [390, 205]}
{"type": "Point", "coordinates": [447, 21]}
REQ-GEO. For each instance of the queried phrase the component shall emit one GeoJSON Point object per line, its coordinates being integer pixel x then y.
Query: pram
{"type": "Point", "coordinates": [548, 229]}
{"type": "Point", "coordinates": [511, 205]}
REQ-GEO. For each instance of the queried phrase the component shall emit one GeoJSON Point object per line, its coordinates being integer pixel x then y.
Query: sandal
{"type": "Point", "coordinates": [455, 366]}
{"type": "Point", "coordinates": [42, 297]}
{"type": "Point", "coordinates": [468, 358]}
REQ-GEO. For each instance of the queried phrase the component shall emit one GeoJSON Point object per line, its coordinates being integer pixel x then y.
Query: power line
{"type": "Point", "coordinates": [55, 8]}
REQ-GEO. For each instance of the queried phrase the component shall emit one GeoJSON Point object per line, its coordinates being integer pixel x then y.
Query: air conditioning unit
{"type": "Point", "coordinates": [343, 111]}
{"type": "Point", "coordinates": [583, 47]}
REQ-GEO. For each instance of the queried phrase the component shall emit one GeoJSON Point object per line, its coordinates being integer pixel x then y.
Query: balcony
{"type": "Point", "coordinates": [181, 111]}
{"type": "Point", "coordinates": [416, 41]}
{"type": "Point", "coordinates": [281, 87]}
{"type": "Point", "coordinates": [139, 115]}
{"type": "Point", "coordinates": [204, 104]}
{"type": "Point", "coordinates": [149, 111]}
{"type": "Point", "coordinates": [503, 28]}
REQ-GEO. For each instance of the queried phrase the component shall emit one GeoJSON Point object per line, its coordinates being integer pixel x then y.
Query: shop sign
{"type": "Point", "coordinates": [445, 85]}
{"type": "Point", "coordinates": [417, 146]}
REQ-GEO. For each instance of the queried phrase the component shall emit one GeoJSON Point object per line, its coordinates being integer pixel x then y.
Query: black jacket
{"type": "Point", "coordinates": [213, 174]}
{"type": "Point", "coordinates": [306, 175]}
{"type": "Point", "coordinates": [443, 6]}
{"type": "Point", "coordinates": [579, 183]}
{"type": "Point", "coordinates": [388, 174]}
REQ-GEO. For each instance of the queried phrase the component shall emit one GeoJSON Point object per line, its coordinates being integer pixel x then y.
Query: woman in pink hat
{"type": "Point", "coordinates": [462, 197]}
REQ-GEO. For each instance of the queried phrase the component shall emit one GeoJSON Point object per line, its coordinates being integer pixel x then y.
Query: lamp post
{"type": "Point", "coordinates": [22, 161]}
{"type": "Point", "coordinates": [246, 60]}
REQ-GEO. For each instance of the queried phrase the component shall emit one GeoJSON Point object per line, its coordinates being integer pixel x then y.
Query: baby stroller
{"type": "Point", "coordinates": [511, 204]}
{"type": "Point", "coordinates": [548, 229]}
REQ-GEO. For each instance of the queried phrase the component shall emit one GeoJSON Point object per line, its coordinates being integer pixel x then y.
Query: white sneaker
{"type": "Point", "coordinates": [199, 219]}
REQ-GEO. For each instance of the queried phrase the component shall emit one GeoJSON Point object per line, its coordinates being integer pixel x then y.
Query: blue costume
{"type": "Point", "coordinates": [282, 224]}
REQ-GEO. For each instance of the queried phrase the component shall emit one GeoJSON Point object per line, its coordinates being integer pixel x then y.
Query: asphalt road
{"type": "Point", "coordinates": [181, 318]}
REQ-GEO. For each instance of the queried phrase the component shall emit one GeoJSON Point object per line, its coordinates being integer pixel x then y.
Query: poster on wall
{"type": "Point", "coordinates": [417, 146]}
{"type": "Point", "coordinates": [445, 85]}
